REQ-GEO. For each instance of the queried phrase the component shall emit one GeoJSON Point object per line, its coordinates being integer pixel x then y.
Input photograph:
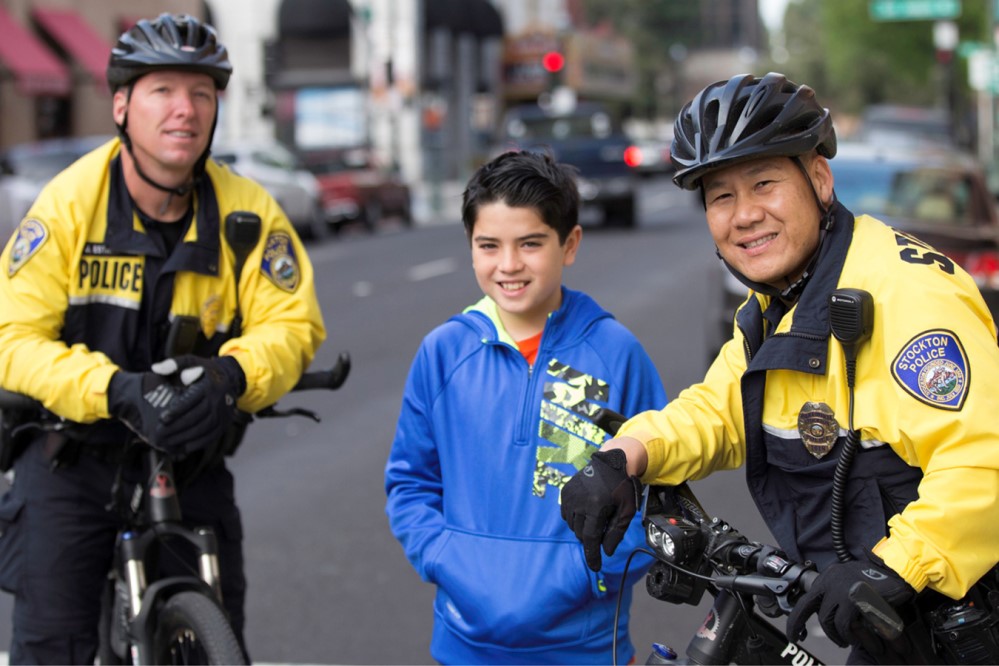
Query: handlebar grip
{"type": "Point", "coordinates": [808, 579]}
{"type": "Point", "coordinates": [876, 611]}
{"type": "Point", "coordinates": [608, 420]}
{"type": "Point", "coordinates": [11, 400]}
{"type": "Point", "coordinates": [326, 379]}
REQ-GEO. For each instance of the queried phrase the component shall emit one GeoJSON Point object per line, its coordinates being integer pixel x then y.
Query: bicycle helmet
{"type": "Point", "coordinates": [170, 41]}
{"type": "Point", "coordinates": [745, 118]}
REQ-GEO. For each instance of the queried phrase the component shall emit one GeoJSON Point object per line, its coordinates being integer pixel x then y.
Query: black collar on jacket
{"type": "Point", "coordinates": [199, 256]}
{"type": "Point", "coordinates": [804, 347]}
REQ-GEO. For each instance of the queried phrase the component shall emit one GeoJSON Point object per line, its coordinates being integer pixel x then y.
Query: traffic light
{"type": "Point", "coordinates": [553, 62]}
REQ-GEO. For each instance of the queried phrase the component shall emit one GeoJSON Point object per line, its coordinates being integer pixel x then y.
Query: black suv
{"type": "Point", "coordinates": [590, 139]}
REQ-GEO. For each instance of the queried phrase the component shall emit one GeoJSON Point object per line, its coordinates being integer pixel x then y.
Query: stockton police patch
{"type": "Point", "coordinates": [31, 234]}
{"type": "Point", "coordinates": [280, 264]}
{"type": "Point", "coordinates": [933, 368]}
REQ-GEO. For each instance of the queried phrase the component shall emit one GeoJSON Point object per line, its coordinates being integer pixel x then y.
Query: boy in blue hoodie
{"type": "Point", "coordinates": [496, 417]}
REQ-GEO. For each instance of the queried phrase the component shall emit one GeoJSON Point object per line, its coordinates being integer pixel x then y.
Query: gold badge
{"type": "Point", "coordinates": [210, 315]}
{"type": "Point", "coordinates": [818, 428]}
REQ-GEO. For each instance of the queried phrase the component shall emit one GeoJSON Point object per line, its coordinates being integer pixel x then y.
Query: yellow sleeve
{"type": "Point", "coordinates": [948, 537]}
{"type": "Point", "coordinates": [69, 381]}
{"type": "Point", "coordinates": [282, 323]}
{"type": "Point", "coordinates": [700, 431]}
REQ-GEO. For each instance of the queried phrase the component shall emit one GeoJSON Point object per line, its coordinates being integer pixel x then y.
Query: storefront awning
{"type": "Point", "coordinates": [476, 17]}
{"type": "Point", "coordinates": [81, 42]}
{"type": "Point", "coordinates": [36, 69]}
{"type": "Point", "coordinates": [314, 18]}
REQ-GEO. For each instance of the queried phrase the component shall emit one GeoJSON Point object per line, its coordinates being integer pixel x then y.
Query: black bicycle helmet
{"type": "Point", "coordinates": [170, 41]}
{"type": "Point", "coordinates": [745, 118]}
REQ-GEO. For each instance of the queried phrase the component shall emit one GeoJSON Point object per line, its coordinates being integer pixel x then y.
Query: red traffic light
{"type": "Point", "coordinates": [553, 61]}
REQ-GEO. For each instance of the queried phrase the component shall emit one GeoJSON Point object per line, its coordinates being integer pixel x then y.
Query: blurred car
{"type": "Point", "coordinates": [650, 157]}
{"type": "Point", "coordinates": [27, 167]}
{"type": "Point", "coordinates": [589, 138]}
{"type": "Point", "coordinates": [354, 187]}
{"type": "Point", "coordinates": [938, 195]}
{"type": "Point", "coordinates": [280, 173]}
{"type": "Point", "coordinates": [904, 126]}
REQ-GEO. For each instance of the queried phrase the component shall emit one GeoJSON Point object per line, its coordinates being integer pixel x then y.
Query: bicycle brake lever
{"type": "Point", "coordinates": [271, 412]}
{"type": "Point", "coordinates": [876, 611]}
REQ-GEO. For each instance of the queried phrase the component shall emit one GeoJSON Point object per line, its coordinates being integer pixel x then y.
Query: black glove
{"type": "Point", "coordinates": [599, 502]}
{"type": "Point", "coordinates": [830, 597]}
{"type": "Point", "coordinates": [143, 402]}
{"type": "Point", "coordinates": [206, 404]}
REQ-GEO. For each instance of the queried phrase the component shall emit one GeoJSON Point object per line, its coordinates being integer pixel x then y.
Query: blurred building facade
{"type": "Point", "coordinates": [52, 60]}
{"type": "Point", "coordinates": [421, 82]}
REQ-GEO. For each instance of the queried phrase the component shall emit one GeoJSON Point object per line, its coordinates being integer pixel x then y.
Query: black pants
{"type": "Point", "coordinates": [57, 541]}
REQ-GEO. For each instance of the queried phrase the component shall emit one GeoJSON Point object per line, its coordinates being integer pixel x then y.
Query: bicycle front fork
{"type": "Point", "coordinates": [134, 569]}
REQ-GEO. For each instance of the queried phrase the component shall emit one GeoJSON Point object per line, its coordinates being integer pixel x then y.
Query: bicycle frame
{"type": "Point", "coordinates": [134, 610]}
{"type": "Point", "coordinates": [734, 633]}
{"type": "Point", "coordinates": [161, 509]}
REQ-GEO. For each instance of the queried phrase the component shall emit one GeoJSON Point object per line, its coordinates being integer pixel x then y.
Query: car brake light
{"type": "Point", "coordinates": [984, 268]}
{"type": "Point", "coordinates": [632, 156]}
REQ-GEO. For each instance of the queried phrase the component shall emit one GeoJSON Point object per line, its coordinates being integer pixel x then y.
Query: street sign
{"type": "Point", "coordinates": [983, 71]}
{"type": "Point", "coordinates": [914, 10]}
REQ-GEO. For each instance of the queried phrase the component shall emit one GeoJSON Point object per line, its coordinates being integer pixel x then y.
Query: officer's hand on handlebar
{"type": "Point", "coordinates": [599, 502]}
{"type": "Point", "coordinates": [143, 401]}
{"type": "Point", "coordinates": [206, 403]}
{"type": "Point", "coordinates": [830, 597]}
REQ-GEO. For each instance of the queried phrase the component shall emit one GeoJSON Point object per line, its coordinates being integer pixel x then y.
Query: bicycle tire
{"type": "Point", "coordinates": [192, 629]}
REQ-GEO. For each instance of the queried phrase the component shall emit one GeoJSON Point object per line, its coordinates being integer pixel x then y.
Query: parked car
{"type": "Point", "coordinates": [938, 195]}
{"type": "Point", "coordinates": [905, 126]}
{"type": "Point", "coordinates": [279, 171]}
{"type": "Point", "coordinates": [355, 187]}
{"type": "Point", "coordinates": [589, 138]}
{"type": "Point", "coordinates": [27, 167]}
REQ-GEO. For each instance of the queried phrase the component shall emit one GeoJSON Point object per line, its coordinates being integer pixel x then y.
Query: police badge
{"type": "Point", "coordinates": [818, 428]}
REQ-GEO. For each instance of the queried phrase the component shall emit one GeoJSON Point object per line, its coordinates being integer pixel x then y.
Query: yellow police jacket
{"type": "Point", "coordinates": [924, 488]}
{"type": "Point", "coordinates": [71, 285]}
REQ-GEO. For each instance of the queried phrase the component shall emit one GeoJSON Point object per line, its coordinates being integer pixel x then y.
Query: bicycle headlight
{"type": "Point", "coordinates": [653, 536]}
{"type": "Point", "coordinates": [673, 539]}
{"type": "Point", "coordinates": [668, 547]}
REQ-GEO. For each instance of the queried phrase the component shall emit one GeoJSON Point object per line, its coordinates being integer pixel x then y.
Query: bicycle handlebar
{"type": "Point", "coordinates": [330, 379]}
{"type": "Point", "coordinates": [700, 550]}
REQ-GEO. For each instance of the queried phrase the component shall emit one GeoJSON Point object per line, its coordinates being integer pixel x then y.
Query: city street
{"type": "Point", "coordinates": [328, 582]}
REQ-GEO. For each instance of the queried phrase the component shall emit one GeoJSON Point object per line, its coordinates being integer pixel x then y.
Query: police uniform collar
{"type": "Point", "coordinates": [199, 255]}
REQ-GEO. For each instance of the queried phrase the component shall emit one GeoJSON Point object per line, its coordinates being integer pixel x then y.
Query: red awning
{"type": "Point", "coordinates": [77, 37]}
{"type": "Point", "coordinates": [35, 68]}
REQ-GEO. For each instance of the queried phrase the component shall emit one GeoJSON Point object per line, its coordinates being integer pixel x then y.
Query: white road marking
{"type": "Point", "coordinates": [432, 269]}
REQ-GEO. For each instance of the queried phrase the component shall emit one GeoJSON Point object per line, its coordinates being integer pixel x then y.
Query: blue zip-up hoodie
{"type": "Point", "coordinates": [483, 446]}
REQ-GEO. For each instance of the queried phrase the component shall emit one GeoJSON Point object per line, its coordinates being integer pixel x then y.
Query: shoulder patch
{"type": "Point", "coordinates": [933, 368]}
{"type": "Point", "coordinates": [29, 237]}
{"type": "Point", "coordinates": [279, 263]}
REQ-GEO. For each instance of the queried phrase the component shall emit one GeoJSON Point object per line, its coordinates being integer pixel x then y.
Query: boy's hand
{"type": "Point", "coordinates": [599, 502]}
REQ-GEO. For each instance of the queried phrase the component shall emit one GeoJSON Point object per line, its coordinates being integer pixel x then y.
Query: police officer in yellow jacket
{"type": "Point", "coordinates": [918, 521]}
{"type": "Point", "coordinates": [122, 255]}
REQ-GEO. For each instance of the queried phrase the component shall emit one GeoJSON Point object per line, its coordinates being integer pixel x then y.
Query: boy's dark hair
{"type": "Point", "coordinates": [522, 179]}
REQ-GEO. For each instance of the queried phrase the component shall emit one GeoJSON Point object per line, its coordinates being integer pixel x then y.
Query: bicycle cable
{"type": "Point", "coordinates": [620, 598]}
